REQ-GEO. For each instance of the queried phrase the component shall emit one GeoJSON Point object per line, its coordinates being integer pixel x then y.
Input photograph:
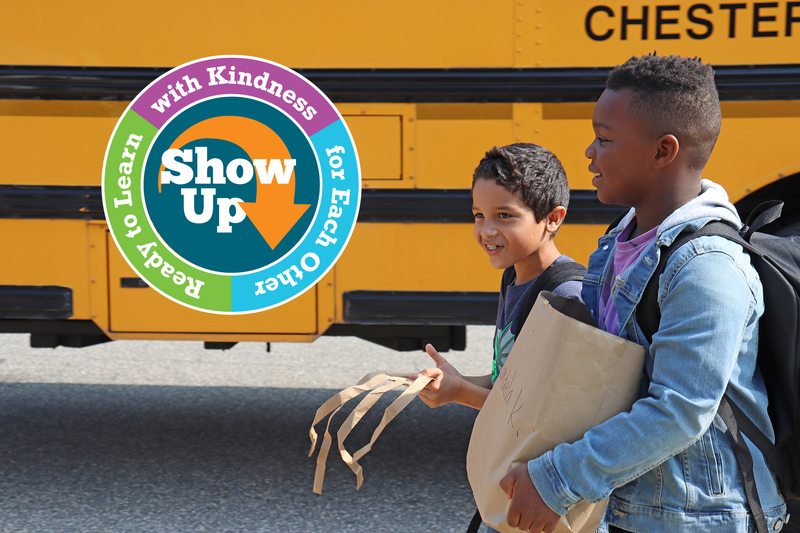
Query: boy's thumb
{"type": "Point", "coordinates": [507, 484]}
{"type": "Point", "coordinates": [438, 359]}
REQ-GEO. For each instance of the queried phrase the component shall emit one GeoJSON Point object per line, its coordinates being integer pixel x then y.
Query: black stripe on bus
{"type": "Point", "coordinates": [35, 302]}
{"type": "Point", "coordinates": [51, 201]}
{"type": "Point", "coordinates": [455, 205]}
{"type": "Point", "coordinates": [749, 82]}
{"type": "Point", "coordinates": [418, 307]}
{"type": "Point", "coordinates": [377, 205]}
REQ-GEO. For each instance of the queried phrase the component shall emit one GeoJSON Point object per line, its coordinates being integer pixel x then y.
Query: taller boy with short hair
{"type": "Point", "coordinates": [669, 464]}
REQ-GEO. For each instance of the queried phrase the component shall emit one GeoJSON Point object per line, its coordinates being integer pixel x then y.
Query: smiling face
{"type": "Point", "coordinates": [622, 152]}
{"type": "Point", "coordinates": [507, 231]}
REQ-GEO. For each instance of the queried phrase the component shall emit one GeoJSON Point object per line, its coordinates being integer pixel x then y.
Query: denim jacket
{"type": "Point", "coordinates": [669, 464]}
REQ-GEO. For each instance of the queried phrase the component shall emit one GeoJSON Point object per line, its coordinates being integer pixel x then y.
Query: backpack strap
{"type": "Point", "coordinates": [558, 273]}
{"type": "Point", "coordinates": [552, 277]}
{"type": "Point", "coordinates": [648, 315]}
{"type": "Point", "coordinates": [763, 214]}
{"type": "Point", "coordinates": [475, 523]}
{"type": "Point", "coordinates": [745, 460]}
{"type": "Point", "coordinates": [509, 275]}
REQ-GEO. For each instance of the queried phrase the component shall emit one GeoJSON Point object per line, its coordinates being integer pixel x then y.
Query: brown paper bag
{"type": "Point", "coordinates": [375, 384]}
{"type": "Point", "coordinates": [563, 377]}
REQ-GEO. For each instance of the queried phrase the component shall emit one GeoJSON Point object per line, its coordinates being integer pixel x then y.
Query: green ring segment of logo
{"type": "Point", "coordinates": [231, 184]}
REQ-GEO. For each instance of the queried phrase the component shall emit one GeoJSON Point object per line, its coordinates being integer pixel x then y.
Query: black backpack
{"type": "Point", "coordinates": [777, 260]}
{"type": "Point", "coordinates": [553, 276]}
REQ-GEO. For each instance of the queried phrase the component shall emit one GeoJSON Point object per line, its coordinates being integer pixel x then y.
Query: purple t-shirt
{"type": "Point", "coordinates": [625, 255]}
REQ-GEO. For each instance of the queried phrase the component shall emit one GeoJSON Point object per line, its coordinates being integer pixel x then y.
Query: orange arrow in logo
{"type": "Point", "coordinates": [274, 213]}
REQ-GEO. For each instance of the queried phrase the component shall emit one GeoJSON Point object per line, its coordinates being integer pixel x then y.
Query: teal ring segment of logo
{"type": "Point", "coordinates": [243, 248]}
{"type": "Point", "coordinates": [338, 210]}
{"type": "Point", "coordinates": [287, 276]}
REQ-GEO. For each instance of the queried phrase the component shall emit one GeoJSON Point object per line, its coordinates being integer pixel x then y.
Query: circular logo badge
{"type": "Point", "coordinates": [231, 184]}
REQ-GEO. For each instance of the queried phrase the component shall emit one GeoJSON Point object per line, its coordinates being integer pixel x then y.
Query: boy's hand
{"type": "Point", "coordinates": [441, 363]}
{"type": "Point", "coordinates": [527, 510]}
{"type": "Point", "coordinates": [446, 380]}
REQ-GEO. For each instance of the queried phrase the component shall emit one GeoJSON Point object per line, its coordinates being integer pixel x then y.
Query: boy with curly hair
{"type": "Point", "coordinates": [520, 196]}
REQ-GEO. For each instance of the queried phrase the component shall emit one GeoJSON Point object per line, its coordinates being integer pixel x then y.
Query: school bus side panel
{"type": "Point", "coordinates": [44, 253]}
{"type": "Point", "coordinates": [426, 87]}
{"type": "Point", "coordinates": [314, 34]}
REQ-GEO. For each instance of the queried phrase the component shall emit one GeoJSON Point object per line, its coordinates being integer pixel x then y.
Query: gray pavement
{"type": "Point", "coordinates": [168, 437]}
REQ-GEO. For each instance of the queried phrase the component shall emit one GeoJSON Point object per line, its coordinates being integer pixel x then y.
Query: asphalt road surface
{"type": "Point", "coordinates": [168, 437]}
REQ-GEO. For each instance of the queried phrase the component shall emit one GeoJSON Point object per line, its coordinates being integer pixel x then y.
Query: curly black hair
{"type": "Point", "coordinates": [673, 95]}
{"type": "Point", "coordinates": [531, 172]}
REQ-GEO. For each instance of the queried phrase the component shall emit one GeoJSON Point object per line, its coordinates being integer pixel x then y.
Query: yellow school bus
{"type": "Point", "coordinates": [425, 87]}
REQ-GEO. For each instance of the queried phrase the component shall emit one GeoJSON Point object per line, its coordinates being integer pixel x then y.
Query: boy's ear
{"type": "Point", "coordinates": [667, 149]}
{"type": "Point", "coordinates": [555, 218]}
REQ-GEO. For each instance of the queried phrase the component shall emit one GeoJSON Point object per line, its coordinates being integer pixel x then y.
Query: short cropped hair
{"type": "Point", "coordinates": [673, 95]}
{"type": "Point", "coordinates": [531, 172]}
